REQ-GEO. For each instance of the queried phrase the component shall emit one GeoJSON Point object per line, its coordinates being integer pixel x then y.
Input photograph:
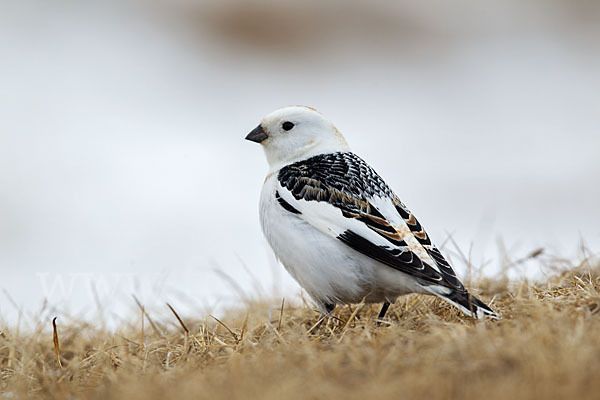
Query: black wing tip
{"type": "Point", "coordinates": [484, 308]}
{"type": "Point", "coordinates": [471, 305]}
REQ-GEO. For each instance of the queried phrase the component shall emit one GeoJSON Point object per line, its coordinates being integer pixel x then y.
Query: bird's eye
{"type": "Point", "coordinates": [287, 125]}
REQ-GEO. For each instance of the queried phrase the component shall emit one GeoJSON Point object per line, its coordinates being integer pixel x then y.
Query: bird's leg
{"type": "Point", "coordinates": [384, 309]}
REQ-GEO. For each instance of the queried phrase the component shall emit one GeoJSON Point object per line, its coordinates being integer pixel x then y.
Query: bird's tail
{"type": "Point", "coordinates": [466, 303]}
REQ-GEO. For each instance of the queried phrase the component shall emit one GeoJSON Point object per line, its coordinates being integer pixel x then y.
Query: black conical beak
{"type": "Point", "coordinates": [257, 135]}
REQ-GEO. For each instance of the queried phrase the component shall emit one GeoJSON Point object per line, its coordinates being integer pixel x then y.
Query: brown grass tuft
{"type": "Point", "coordinates": [546, 346]}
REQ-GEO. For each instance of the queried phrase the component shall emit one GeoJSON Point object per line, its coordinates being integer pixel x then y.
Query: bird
{"type": "Point", "coordinates": [338, 228]}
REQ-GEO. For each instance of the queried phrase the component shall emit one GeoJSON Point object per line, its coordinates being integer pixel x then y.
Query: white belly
{"type": "Point", "coordinates": [330, 271]}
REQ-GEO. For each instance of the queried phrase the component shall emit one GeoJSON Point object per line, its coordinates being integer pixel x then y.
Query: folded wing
{"type": "Point", "coordinates": [342, 196]}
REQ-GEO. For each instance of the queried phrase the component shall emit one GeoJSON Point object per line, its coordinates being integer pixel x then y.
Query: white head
{"type": "Point", "coordinates": [295, 133]}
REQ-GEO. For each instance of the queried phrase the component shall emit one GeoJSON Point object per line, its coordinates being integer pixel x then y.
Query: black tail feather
{"type": "Point", "coordinates": [470, 305]}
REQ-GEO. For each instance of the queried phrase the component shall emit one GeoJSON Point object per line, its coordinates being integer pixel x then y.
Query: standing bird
{"type": "Point", "coordinates": [338, 228]}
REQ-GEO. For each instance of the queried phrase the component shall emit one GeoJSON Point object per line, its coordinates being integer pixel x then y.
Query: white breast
{"type": "Point", "coordinates": [325, 267]}
{"type": "Point", "coordinates": [329, 270]}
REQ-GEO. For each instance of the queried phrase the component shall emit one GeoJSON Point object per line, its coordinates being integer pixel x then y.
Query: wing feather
{"type": "Point", "coordinates": [342, 196]}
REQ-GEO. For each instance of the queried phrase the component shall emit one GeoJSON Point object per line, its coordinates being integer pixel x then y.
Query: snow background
{"type": "Point", "coordinates": [123, 167]}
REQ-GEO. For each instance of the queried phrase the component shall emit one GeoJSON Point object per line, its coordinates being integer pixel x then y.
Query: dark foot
{"type": "Point", "coordinates": [329, 308]}
{"type": "Point", "coordinates": [384, 309]}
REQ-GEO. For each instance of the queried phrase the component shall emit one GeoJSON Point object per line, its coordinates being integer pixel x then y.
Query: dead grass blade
{"type": "Point", "coordinates": [185, 328]}
{"type": "Point", "coordinates": [152, 324]}
{"type": "Point", "coordinates": [280, 315]}
{"type": "Point", "coordinates": [244, 327]}
{"type": "Point", "coordinates": [319, 321]}
{"type": "Point", "coordinates": [56, 343]}
{"type": "Point", "coordinates": [235, 337]}
{"type": "Point", "coordinates": [356, 310]}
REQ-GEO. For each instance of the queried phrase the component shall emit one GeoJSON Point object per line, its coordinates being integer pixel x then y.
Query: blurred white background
{"type": "Point", "coordinates": [123, 167]}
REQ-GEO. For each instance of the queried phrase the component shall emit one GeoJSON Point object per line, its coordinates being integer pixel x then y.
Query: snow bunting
{"type": "Point", "coordinates": [338, 228]}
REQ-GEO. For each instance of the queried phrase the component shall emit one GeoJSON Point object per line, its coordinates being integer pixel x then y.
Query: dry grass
{"type": "Point", "coordinates": [546, 346]}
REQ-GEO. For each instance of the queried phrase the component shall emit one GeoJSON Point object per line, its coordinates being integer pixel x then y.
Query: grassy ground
{"type": "Point", "coordinates": [546, 346]}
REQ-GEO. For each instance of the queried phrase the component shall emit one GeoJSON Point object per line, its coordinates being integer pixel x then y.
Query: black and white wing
{"type": "Point", "coordinates": [342, 196]}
